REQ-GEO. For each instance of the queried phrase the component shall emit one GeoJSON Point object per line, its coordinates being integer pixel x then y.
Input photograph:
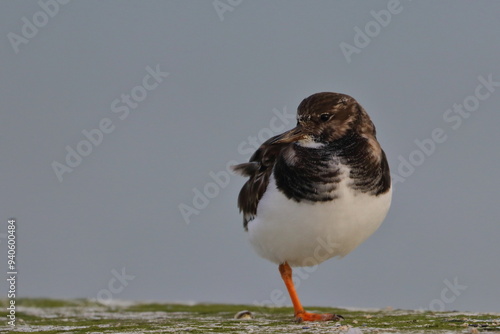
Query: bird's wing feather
{"type": "Point", "coordinates": [258, 169]}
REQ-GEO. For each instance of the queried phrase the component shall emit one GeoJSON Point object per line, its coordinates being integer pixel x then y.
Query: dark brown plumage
{"type": "Point", "coordinates": [343, 129]}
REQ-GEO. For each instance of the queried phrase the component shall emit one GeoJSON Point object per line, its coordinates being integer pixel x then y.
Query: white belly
{"type": "Point", "coordinates": [306, 234]}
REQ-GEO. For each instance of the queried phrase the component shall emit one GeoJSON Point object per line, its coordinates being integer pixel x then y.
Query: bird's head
{"type": "Point", "coordinates": [326, 117]}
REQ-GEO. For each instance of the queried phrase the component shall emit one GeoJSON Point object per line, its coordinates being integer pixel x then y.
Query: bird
{"type": "Point", "coordinates": [316, 191]}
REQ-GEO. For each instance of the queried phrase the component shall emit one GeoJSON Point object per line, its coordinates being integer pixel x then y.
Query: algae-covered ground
{"type": "Point", "coordinates": [84, 316]}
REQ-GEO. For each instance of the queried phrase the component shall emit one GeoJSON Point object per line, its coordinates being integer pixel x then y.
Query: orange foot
{"type": "Point", "coordinates": [308, 316]}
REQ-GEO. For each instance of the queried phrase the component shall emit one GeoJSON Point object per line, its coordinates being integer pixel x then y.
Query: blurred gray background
{"type": "Point", "coordinates": [128, 222]}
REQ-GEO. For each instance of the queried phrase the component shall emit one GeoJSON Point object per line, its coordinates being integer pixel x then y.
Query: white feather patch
{"type": "Point", "coordinates": [308, 233]}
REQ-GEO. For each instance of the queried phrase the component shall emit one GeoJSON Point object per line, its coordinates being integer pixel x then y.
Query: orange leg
{"type": "Point", "coordinates": [300, 314]}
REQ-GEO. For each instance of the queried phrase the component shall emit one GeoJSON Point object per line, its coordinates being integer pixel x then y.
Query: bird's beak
{"type": "Point", "coordinates": [290, 136]}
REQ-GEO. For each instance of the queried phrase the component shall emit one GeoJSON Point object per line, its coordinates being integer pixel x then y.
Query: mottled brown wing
{"type": "Point", "coordinates": [258, 169]}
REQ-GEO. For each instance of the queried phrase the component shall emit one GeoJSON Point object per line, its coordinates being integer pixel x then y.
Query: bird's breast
{"type": "Point", "coordinates": [307, 232]}
{"type": "Point", "coordinates": [307, 174]}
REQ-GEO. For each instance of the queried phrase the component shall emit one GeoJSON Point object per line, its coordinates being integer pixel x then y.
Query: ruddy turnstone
{"type": "Point", "coordinates": [316, 191]}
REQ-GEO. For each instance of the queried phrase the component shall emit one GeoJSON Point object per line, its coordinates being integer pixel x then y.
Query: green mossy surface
{"type": "Point", "coordinates": [84, 316]}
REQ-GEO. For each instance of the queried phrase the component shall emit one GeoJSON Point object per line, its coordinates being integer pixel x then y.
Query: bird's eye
{"type": "Point", "coordinates": [325, 117]}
